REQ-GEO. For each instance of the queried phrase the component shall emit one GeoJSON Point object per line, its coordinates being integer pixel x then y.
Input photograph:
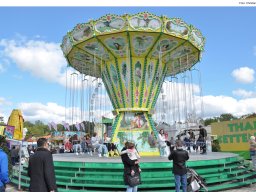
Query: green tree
{"type": "Point", "coordinates": [28, 124]}
{"type": "Point", "coordinates": [252, 115]}
{"type": "Point", "coordinates": [36, 129]}
{"type": "Point", "coordinates": [216, 146]}
{"type": "Point", "coordinates": [227, 117]}
{"type": "Point", "coordinates": [2, 120]}
{"type": "Point", "coordinates": [60, 127]}
{"type": "Point", "coordinates": [209, 121]}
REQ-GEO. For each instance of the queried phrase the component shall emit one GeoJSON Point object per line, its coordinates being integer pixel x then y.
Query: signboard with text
{"type": "Point", "coordinates": [234, 135]}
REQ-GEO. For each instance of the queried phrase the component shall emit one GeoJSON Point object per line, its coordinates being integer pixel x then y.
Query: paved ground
{"type": "Point", "coordinates": [252, 188]}
{"type": "Point", "coordinates": [11, 188]}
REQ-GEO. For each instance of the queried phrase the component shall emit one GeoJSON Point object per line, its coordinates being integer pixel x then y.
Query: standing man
{"type": "Point", "coordinates": [41, 169]}
{"type": "Point", "coordinates": [179, 157]}
{"type": "Point", "coordinates": [4, 178]}
{"type": "Point", "coordinates": [203, 133]}
{"type": "Point", "coordinates": [252, 143]}
{"type": "Point", "coordinates": [13, 155]}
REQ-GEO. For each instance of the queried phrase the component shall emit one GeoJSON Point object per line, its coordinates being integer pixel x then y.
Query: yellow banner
{"type": "Point", "coordinates": [234, 135]}
{"type": "Point", "coordinates": [1, 130]}
{"type": "Point", "coordinates": [16, 120]}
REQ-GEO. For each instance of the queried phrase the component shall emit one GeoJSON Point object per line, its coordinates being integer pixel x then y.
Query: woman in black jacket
{"type": "Point", "coordinates": [128, 166]}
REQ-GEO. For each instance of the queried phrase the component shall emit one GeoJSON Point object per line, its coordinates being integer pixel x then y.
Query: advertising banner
{"type": "Point", "coordinates": [9, 131]}
{"type": "Point", "coordinates": [234, 135]}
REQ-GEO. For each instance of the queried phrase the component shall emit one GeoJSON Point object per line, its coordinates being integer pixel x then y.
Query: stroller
{"type": "Point", "coordinates": [195, 181]}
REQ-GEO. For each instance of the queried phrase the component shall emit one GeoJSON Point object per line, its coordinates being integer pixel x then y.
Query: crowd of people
{"type": "Point", "coordinates": [89, 144]}
{"type": "Point", "coordinates": [176, 150]}
{"type": "Point", "coordinates": [188, 140]}
{"type": "Point", "coordinates": [41, 168]}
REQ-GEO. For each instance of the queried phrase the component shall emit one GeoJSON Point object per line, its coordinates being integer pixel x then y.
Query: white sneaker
{"type": "Point", "coordinates": [99, 155]}
{"type": "Point", "coordinates": [90, 153]}
{"type": "Point", "coordinates": [76, 153]}
{"type": "Point", "coordinates": [105, 155]}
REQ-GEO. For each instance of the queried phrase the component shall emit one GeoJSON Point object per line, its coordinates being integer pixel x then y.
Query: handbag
{"type": "Point", "coordinates": [133, 180]}
{"type": "Point", "coordinates": [162, 144]}
{"type": "Point", "coordinates": [194, 185]}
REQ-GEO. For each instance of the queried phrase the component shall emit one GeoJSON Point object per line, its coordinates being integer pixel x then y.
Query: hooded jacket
{"type": "Point", "coordinates": [3, 168]}
{"type": "Point", "coordinates": [179, 158]}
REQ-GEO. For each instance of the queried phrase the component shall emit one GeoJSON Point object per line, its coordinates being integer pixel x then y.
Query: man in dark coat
{"type": "Point", "coordinates": [179, 157]}
{"type": "Point", "coordinates": [41, 169]}
{"type": "Point", "coordinates": [128, 165]}
{"type": "Point", "coordinates": [203, 133]}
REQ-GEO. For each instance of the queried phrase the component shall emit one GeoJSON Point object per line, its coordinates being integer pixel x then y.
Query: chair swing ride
{"type": "Point", "coordinates": [134, 59]}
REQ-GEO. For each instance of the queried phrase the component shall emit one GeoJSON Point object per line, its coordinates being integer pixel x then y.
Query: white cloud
{"type": "Point", "coordinates": [216, 105]}
{"type": "Point", "coordinates": [174, 109]}
{"type": "Point", "coordinates": [4, 105]}
{"type": "Point", "coordinates": [244, 94]}
{"type": "Point", "coordinates": [3, 102]}
{"type": "Point", "coordinates": [213, 106]}
{"type": "Point", "coordinates": [244, 75]}
{"type": "Point", "coordinates": [39, 111]}
{"type": "Point", "coordinates": [53, 112]}
{"type": "Point", "coordinates": [3, 64]}
{"type": "Point", "coordinates": [41, 59]}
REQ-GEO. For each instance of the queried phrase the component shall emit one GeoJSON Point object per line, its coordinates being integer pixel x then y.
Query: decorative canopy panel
{"type": "Point", "coordinates": [89, 46]}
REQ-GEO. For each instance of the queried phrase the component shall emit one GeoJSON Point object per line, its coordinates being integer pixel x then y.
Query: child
{"type": "Point", "coordinates": [133, 155]}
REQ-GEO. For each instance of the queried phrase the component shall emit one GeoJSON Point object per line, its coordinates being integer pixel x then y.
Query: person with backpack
{"type": "Point", "coordinates": [203, 133]}
{"type": "Point", "coordinates": [131, 170]}
{"type": "Point", "coordinates": [179, 157]}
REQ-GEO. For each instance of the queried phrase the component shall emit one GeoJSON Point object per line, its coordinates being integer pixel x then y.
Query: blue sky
{"type": "Point", "coordinates": [230, 49]}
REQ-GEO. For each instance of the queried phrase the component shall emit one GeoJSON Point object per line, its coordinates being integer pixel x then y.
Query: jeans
{"type": "Point", "coordinates": [131, 189]}
{"type": "Point", "coordinates": [181, 179]}
{"type": "Point", "coordinates": [101, 147]}
{"type": "Point", "coordinates": [2, 189]}
{"type": "Point", "coordinates": [76, 147]}
{"type": "Point", "coordinates": [253, 161]}
{"type": "Point", "coordinates": [162, 151]}
{"type": "Point", "coordinates": [13, 160]}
